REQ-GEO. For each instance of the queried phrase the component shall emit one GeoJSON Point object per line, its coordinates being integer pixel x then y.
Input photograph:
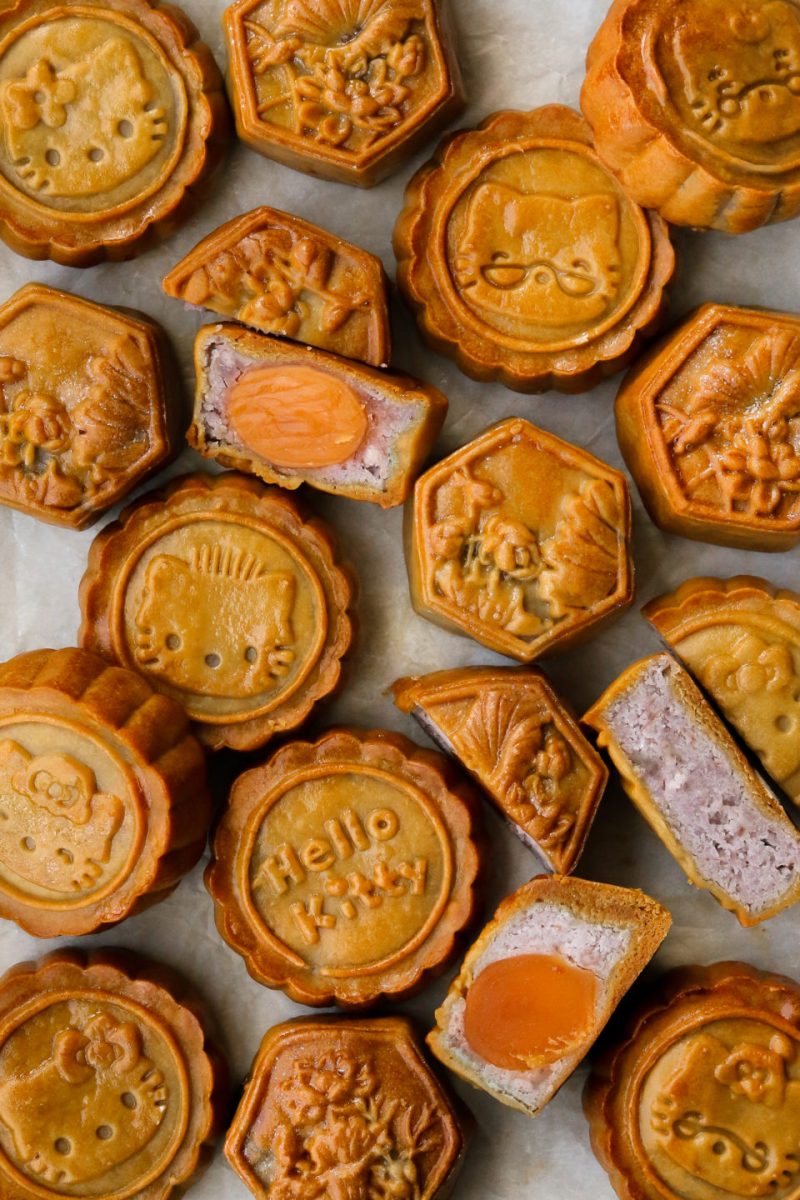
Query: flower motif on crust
{"type": "Point", "coordinates": [737, 437]}
{"type": "Point", "coordinates": [751, 666]}
{"type": "Point", "coordinates": [758, 1072]}
{"type": "Point", "coordinates": [36, 422]}
{"type": "Point", "coordinates": [347, 65]}
{"type": "Point", "coordinates": [41, 96]}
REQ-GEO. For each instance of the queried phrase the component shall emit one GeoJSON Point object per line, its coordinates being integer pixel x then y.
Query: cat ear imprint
{"type": "Point", "coordinates": [552, 284]}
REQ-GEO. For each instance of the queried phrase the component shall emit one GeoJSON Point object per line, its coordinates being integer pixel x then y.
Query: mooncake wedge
{"type": "Point", "coordinates": [740, 638]}
{"type": "Point", "coordinates": [694, 786]}
{"type": "Point", "coordinates": [540, 983]}
{"type": "Point", "coordinates": [292, 414]}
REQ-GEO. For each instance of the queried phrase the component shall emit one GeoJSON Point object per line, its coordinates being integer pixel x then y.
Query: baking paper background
{"type": "Point", "coordinates": [515, 54]}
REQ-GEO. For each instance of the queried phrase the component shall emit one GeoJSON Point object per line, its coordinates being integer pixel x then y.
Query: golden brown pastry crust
{"type": "Point", "coordinates": [86, 192]}
{"type": "Point", "coordinates": [93, 1038]}
{"type": "Point", "coordinates": [740, 638]}
{"type": "Point", "coordinates": [706, 422]}
{"type": "Point", "coordinates": [721, 1043]}
{"type": "Point", "coordinates": [692, 109]}
{"type": "Point", "coordinates": [522, 744]}
{"type": "Point", "coordinates": [104, 793]}
{"type": "Point", "coordinates": [282, 275]}
{"type": "Point", "coordinates": [378, 1066]}
{"type": "Point", "coordinates": [481, 257]}
{"type": "Point", "coordinates": [365, 88]}
{"type": "Point", "coordinates": [88, 404]}
{"type": "Point", "coordinates": [548, 526]}
{"type": "Point", "coordinates": [362, 893]}
{"type": "Point", "coordinates": [648, 921]}
{"type": "Point", "coordinates": [693, 700]}
{"type": "Point", "coordinates": [379, 394]}
{"type": "Point", "coordinates": [212, 561]}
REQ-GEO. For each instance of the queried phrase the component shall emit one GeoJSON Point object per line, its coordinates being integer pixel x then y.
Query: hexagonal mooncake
{"type": "Point", "coordinates": [740, 637]}
{"type": "Point", "coordinates": [520, 541]}
{"type": "Point", "coordinates": [336, 1100]}
{"type": "Point", "coordinates": [709, 425]}
{"type": "Point", "coordinates": [511, 731]}
{"type": "Point", "coordinates": [342, 89]}
{"type": "Point", "coordinates": [83, 405]}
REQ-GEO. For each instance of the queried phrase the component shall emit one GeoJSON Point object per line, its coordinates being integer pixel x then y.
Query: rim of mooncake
{"type": "Point", "coordinates": [426, 771]}
{"type": "Point", "coordinates": [650, 161]}
{"type": "Point", "coordinates": [694, 602]}
{"type": "Point", "coordinates": [78, 241]}
{"type": "Point", "coordinates": [166, 1000]}
{"type": "Point", "coordinates": [101, 602]}
{"type": "Point", "coordinates": [421, 263]}
{"type": "Point", "coordinates": [120, 708]}
{"type": "Point", "coordinates": [724, 988]}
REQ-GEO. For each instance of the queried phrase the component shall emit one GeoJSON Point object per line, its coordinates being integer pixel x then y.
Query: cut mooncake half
{"type": "Point", "coordinates": [691, 782]}
{"type": "Point", "coordinates": [540, 983]}
{"type": "Point", "coordinates": [740, 638]}
{"type": "Point", "coordinates": [292, 414]}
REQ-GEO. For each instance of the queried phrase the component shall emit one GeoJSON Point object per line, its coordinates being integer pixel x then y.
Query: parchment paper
{"type": "Point", "coordinates": [515, 54]}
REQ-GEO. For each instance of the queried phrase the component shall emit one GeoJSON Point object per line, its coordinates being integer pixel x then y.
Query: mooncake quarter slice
{"type": "Point", "coordinates": [540, 983]}
{"type": "Point", "coordinates": [740, 638]}
{"type": "Point", "coordinates": [517, 738]}
{"type": "Point", "coordinates": [292, 414]}
{"type": "Point", "coordinates": [282, 275]}
{"type": "Point", "coordinates": [691, 782]}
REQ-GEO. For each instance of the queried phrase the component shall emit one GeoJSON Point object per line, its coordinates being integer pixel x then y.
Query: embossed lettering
{"type": "Point", "coordinates": [280, 868]}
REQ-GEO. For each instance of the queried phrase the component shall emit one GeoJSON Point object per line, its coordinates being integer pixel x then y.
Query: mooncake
{"type": "Point", "coordinates": [520, 742]}
{"type": "Point", "coordinates": [341, 89]}
{"type": "Point", "coordinates": [695, 105]}
{"type": "Point", "coordinates": [344, 870]}
{"type": "Point", "coordinates": [709, 425]}
{"type": "Point", "coordinates": [521, 541]}
{"type": "Point", "coordinates": [317, 1080]}
{"type": "Point", "coordinates": [539, 984]}
{"type": "Point", "coordinates": [692, 784]}
{"type": "Point", "coordinates": [103, 799]}
{"type": "Point", "coordinates": [285, 276]}
{"type": "Point", "coordinates": [698, 1095]}
{"type": "Point", "coordinates": [112, 115]}
{"type": "Point", "coordinates": [740, 638]}
{"type": "Point", "coordinates": [292, 415]}
{"type": "Point", "coordinates": [85, 405]}
{"type": "Point", "coordinates": [524, 260]}
{"type": "Point", "coordinates": [109, 1086]}
{"type": "Point", "coordinates": [227, 597]}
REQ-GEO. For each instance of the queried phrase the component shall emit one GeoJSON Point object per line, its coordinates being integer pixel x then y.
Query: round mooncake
{"type": "Point", "coordinates": [228, 598]}
{"type": "Point", "coordinates": [109, 1089]}
{"type": "Point", "coordinates": [344, 870]}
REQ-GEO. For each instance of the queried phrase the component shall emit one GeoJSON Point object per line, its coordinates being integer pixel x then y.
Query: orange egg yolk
{"type": "Point", "coordinates": [297, 417]}
{"type": "Point", "coordinates": [529, 1010]}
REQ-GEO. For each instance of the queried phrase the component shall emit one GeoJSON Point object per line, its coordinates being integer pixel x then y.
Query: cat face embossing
{"type": "Point", "coordinates": [731, 1116]}
{"type": "Point", "coordinates": [538, 258]}
{"type": "Point", "coordinates": [93, 1104]}
{"type": "Point", "coordinates": [56, 828]}
{"type": "Point", "coordinates": [740, 69]}
{"type": "Point", "coordinates": [218, 626]}
{"type": "Point", "coordinates": [84, 130]}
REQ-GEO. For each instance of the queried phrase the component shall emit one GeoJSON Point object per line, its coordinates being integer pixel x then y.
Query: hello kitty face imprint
{"type": "Point", "coordinates": [219, 624]}
{"type": "Point", "coordinates": [734, 72]}
{"type": "Point", "coordinates": [87, 122]}
{"type": "Point", "coordinates": [101, 1107]}
{"type": "Point", "coordinates": [551, 259]}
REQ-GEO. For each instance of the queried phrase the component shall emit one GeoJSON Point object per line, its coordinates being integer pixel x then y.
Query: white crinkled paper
{"type": "Point", "coordinates": [515, 53]}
